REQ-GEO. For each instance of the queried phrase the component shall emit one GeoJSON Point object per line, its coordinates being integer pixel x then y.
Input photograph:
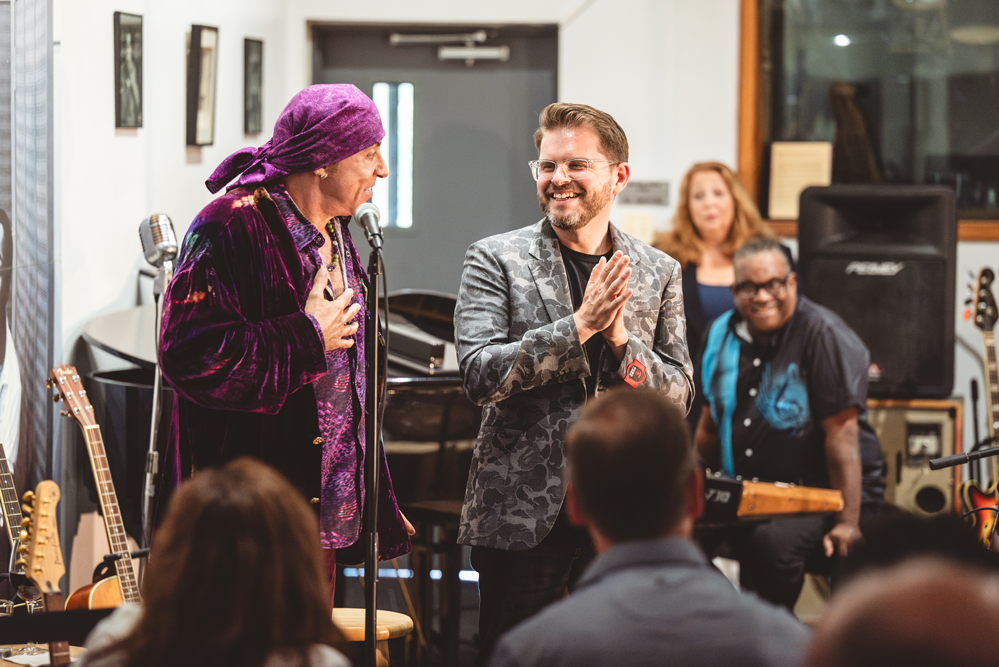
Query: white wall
{"type": "Point", "coordinates": [109, 180]}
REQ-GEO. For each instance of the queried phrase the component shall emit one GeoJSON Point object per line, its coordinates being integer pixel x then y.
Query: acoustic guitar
{"type": "Point", "coordinates": [124, 587]}
{"type": "Point", "coordinates": [42, 557]}
{"type": "Point", "coordinates": [974, 496]}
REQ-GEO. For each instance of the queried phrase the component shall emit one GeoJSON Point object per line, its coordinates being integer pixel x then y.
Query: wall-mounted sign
{"type": "Point", "coordinates": [648, 193]}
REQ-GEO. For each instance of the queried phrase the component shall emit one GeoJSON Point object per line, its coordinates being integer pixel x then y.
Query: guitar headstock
{"type": "Point", "coordinates": [40, 532]}
{"type": "Point", "coordinates": [67, 381]}
{"type": "Point", "coordinates": [985, 311]}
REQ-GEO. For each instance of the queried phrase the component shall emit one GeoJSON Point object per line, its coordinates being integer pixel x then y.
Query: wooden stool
{"type": "Point", "coordinates": [391, 625]}
{"type": "Point", "coordinates": [436, 523]}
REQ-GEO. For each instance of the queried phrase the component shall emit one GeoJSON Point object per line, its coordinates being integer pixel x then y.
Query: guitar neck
{"type": "Point", "coordinates": [992, 393]}
{"type": "Point", "coordinates": [9, 500]}
{"type": "Point", "coordinates": [117, 539]}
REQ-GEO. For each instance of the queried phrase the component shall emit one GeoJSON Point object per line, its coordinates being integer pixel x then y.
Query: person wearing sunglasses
{"type": "Point", "coordinates": [547, 316]}
{"type": "Point", "coordinates": [785, 381]}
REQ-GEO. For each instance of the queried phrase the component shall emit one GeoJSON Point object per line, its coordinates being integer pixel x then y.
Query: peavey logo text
{"type": "Point", "coordinates": [874, 268]}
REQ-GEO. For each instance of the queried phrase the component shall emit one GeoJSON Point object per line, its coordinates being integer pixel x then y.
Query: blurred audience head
{"type": "Point", "coordinates": [631, 465]}
{"type": "Point", "coordinates": [235, 573]}
{"type": "Point", "coordinates": [924, 612]}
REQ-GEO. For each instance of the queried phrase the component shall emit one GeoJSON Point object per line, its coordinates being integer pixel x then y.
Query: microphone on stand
{"type": "Point", "coordinates": [159, 241]}
{"type": "Point", "coordinates": [159, 245]}
{"type": "Point", "coordinates": [367, 215]}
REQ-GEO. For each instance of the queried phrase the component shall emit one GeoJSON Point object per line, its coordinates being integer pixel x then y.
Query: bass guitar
{"type": "Point", "coordinates": [124, 587]}
{"type": "Point", "coordinates": [976, 499]}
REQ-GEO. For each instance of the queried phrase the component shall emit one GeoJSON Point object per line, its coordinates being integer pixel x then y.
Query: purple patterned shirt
{"type": "Point", "coordinates": [340, 394]}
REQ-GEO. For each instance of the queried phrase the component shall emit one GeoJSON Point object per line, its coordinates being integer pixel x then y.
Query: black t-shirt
{"type": "Point", "coordinates": [579, 266]}
{"type": "Point", "coordinates": [813, 368]}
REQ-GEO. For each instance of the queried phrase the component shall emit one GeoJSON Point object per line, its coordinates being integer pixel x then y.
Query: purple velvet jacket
{"type": "Point", "coordinates": [242, 356]}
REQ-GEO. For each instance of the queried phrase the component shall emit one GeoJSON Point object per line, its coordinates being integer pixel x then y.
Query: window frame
{"type": "Point", "coordinates": [750, 128]}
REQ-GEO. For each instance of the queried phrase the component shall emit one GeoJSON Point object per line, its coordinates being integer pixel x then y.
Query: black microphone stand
{"type": "Point", "coordinates": [372, 459]}
{"type": "Point", "coordinates": [163, 278]}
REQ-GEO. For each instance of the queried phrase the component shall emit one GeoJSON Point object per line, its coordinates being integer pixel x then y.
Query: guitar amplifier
{"type": "Point", "coordinates": [911, 433]}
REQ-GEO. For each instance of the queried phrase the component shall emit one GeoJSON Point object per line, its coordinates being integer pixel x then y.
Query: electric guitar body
{"type": "Point", "coordinates": [977, 498]}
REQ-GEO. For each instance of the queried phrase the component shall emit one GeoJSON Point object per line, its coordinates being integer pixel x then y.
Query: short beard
{"type": "Point", "coordinates": [593, 202]}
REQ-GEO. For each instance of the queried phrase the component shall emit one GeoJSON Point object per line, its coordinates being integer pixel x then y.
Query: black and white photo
{"type": "Point", "coordinates": [253, 85]}
{"type": "Point", "coordinates": [128, 69]}
{"type": "Point", "coordinates": [202, 63]}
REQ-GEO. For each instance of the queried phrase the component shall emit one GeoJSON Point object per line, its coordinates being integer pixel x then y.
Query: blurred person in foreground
{"type": "Point", "coordinates": [650, 597]}
{"type": "Point", "coordinates": [235, 578]}
{"type": "Point", "coordinates": [925, 612]}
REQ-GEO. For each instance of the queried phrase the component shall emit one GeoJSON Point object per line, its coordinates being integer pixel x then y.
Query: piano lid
{"type": "Point", "coordinates": [422, 405]}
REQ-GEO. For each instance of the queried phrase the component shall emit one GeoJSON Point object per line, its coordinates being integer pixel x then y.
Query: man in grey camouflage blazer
{"type": "Point", "coordinates": [528, 331]}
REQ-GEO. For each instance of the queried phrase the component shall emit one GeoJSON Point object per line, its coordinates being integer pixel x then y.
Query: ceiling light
{"type": "Point", "coordinates": [400, 39]}
{"type": "Point", "coordinates": [841, 40]}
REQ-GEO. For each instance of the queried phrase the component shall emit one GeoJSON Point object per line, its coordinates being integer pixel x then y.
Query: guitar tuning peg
{"type": "Point", "coordinates": [23, 536]}
{"type": "Point", "coordinates": [48, 384]}
{"type": "Point", "coordinates": [56, 398]}
{"type": "Point", "coordinates": [20, 563]}
{"type": "Point", "coordinates": [28, 497]}
{"type": "Point", "coordinates": [63, 413]}
{"type": "Point", "coordinates": [22, 548]}
{"type": "Point", "coordinates": [27, 509]}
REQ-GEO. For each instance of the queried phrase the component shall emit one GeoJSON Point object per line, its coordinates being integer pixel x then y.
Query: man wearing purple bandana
{"type": "Point", "coordinates": [263, 324]}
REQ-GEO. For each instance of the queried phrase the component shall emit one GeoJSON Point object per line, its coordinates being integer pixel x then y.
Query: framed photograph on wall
{"type": "Point", "coordinates": [202, 67]}
{"type": "Point", "coordinates": [127, 70]}
{"type": "Point", "coordinates": [253, 86]}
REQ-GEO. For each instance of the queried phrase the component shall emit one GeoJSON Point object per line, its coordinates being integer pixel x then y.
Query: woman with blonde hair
{"type": "Point", "coordinates": [713, 218]}
{"type": "Point", "coordinates": [236, 577]}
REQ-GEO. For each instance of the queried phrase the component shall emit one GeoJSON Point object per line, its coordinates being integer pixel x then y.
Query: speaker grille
{"type": "Point", "coordinates": [897, 316]}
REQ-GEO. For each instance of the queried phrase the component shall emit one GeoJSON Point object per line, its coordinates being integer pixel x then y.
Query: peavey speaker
{"type": "Point", "coordinates": [883, 257]}
{"type": "Point", "coordinates": [912, 433]}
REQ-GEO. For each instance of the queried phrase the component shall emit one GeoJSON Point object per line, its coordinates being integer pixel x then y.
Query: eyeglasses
{"type": "Point", "coordinates": [576, 169]}
{"type": "Point", "coordinates": [748, 289]}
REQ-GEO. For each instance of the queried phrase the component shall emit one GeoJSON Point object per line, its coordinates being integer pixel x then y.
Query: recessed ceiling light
{"type": "Point", "coordinates": [841, 40]}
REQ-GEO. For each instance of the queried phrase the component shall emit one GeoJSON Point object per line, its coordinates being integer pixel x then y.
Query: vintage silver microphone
{"type": "Point", "coordinates": [159, 241]}
{"type": "Point", "coordinates": [159, 245]}
{"type": "Point", "coordinates": [367, 215]}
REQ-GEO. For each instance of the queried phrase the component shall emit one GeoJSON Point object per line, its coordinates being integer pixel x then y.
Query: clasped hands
{"type": "Point", "coordinates": [336, 317]}
{"type": "Point", "coordinates": [602, 310]}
